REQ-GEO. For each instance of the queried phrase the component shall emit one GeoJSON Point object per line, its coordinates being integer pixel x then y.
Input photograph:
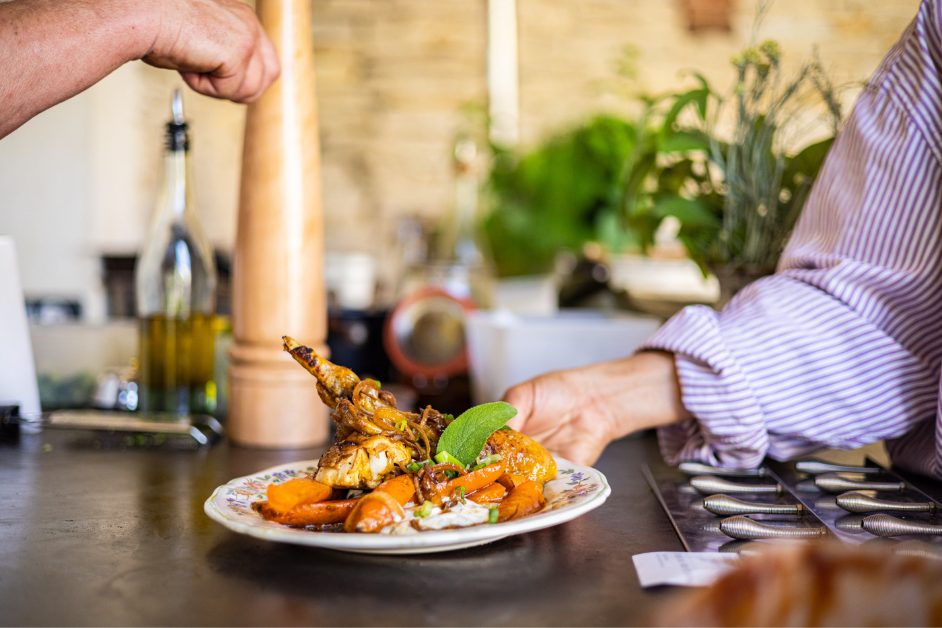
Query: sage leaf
{"type": "Point", "coordinates": [464, 437]}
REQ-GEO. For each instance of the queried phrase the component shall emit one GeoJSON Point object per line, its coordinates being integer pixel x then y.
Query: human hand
{"type": "Point", "coordinates": [576, 413]}
{"type": "Point", "coordinates": [218, 46]}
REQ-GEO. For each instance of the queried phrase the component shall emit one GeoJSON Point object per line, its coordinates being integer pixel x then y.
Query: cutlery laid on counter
{"type": "Point", "coordinates": [803, 500]}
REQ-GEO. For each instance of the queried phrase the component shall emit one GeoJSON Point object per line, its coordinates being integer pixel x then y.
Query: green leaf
{"type": "Point", "coordinates": [697, 97]}
{"type": "Point", "coordinates": [464, 438]}
{"type": "Point", "coordinates": [689, 212]}
{"type": "Point", "coordinates": [683, 141]}
{"type": "Point", "coordinates": [808, 161]}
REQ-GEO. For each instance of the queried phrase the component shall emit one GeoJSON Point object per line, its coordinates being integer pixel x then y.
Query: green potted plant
{"type": "Point", "coordinates": [611, 180]}
{"type": "Point", "coordinates": [756, 182]}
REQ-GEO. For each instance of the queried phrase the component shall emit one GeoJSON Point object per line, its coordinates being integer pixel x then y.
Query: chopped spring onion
{"type": "Point", "coordinates": [486, 461]}
{"type": "Point", "coordinates": [424, 510]}
{"type": "Point", "coordinates": [459, 493]}
{"type": "Point", "coordinates": [415, 467]}
{"type": "Point", "coordinates": [492, 514]}
{"type": "Point", "coordinates": [445, 457]}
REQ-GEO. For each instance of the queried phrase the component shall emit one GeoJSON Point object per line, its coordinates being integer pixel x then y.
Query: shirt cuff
{"type": "Point", "coordinates": [729, 429]}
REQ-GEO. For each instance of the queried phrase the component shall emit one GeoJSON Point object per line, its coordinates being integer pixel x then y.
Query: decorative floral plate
{"type": "Point", "coordinates": [575, 491]}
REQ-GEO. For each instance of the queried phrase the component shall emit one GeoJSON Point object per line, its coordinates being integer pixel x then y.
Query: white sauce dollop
{"type": "Point", "coordinates": [457, 516]}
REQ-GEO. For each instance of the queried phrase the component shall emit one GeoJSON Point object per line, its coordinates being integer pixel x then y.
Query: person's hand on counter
{"type": "Point", "coordinates": [577, 412]}
{"type": "Point", "coordinates": [51, 50]}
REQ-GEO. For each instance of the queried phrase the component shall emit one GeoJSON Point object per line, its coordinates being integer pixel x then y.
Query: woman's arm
{"type": "Point", "coordinates": [843, 345]}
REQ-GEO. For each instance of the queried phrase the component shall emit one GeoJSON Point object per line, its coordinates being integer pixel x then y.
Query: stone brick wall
{"type": "Point", "coordinates": [568, 48]}
{"type": "Point", "coordinates": [393, 76]}
{"type": "Point", "coordinates": [394, 73]}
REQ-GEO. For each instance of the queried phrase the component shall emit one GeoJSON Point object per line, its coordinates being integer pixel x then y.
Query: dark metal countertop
{"type": "Point", "coordinates": [114, 536]}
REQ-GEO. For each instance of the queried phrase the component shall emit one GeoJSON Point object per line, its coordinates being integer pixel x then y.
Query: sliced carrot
{"type": "Point", "coordinates": [373, 512]}
{"type": "Point", "coordinates": [316, 513]}
{"type": "Point", "coordinates": [511, 480]}
{"type": "Point", "coordinates": [522, 500]}
{"type": "Point", "coordinates": [475, 480]}
{"type": "Point", "coordinates": [400, 487]}
{"type": "Point", "coordinates": [490, 494]}
{"type": "Point", "coordinates": [295, 492]}
{"type": "Point", "coordinates": [383, 506]}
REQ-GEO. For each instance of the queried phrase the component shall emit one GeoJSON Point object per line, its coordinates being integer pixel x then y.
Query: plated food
{"type": "Point", "coordinates": [395, 472]}
{"type": "Point", "coordinates": [575, 491]}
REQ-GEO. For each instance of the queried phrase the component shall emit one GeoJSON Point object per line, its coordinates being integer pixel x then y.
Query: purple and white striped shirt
{"type": "Point", "coordinates": [843, 345]}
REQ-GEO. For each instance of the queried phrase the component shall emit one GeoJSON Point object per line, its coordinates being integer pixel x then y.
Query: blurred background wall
{"type": "Point", "coordinates": [78, 181]}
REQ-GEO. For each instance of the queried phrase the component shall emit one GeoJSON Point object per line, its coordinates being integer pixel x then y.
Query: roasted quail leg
{"type": "Point", "coordinates": [333, 382]}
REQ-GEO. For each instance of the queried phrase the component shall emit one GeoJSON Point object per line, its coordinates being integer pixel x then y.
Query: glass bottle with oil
{"type": "Point", "coordinates": [176, 292]}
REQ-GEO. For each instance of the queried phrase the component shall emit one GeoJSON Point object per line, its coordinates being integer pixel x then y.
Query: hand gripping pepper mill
{"type": "Point", "coordinates": [278, 279]}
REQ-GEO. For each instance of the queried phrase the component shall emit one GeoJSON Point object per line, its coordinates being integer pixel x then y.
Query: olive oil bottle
{"type": "Point", "coordinates": [176, 292]}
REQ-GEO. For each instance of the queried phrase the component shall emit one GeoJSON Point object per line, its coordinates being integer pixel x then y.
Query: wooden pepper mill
{"type": "Point", "coordinates": [278, 279]}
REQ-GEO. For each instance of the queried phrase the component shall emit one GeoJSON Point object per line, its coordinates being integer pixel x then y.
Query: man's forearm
{"type": "Point", "coordinates": [53, 49]}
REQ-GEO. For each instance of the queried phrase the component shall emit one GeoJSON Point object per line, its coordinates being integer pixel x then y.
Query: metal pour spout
{"type": "Point", "coordinates": [176, 107]}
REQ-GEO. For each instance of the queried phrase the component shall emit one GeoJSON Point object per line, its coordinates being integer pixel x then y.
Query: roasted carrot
{"type": "Point", "coordinates": [490, 494]}
{"type": "Point", "coordinates": [511, 480]}
{"type": "Point", "coordinates": [475, 480]}
{"type": "Point", "coordinates": [295, 492]}
{"type": "Point", "coordinates": [311, 514]}
{"type": "Point", "coordinates": [383, 506]}
{"type": "Point", "coordinates": [522, 500]}
{"type": "Point", "coordinates": [400, 487]}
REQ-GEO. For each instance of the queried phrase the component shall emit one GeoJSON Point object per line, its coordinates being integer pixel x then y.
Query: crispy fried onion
{"type": "Point", "coordinates": [419, 431]}
{"type": "Point", "coordinates": [431, 480]}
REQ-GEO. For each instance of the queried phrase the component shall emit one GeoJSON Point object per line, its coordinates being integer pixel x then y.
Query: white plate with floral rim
{"type": "Point", "coordinates": [575, 491]}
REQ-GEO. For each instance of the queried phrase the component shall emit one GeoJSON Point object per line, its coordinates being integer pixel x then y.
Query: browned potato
{"type": "Point", "coordinates": [522, 455]}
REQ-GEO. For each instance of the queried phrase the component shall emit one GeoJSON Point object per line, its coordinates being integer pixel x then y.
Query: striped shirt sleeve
{"type": "Point", "coordinates": [842, 346]}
